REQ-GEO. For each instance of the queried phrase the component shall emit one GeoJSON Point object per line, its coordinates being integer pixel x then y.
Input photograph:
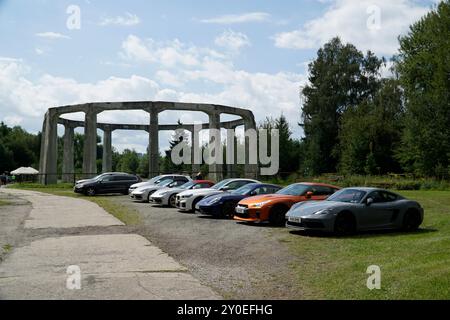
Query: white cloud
{"type": "Point", "coordinates": [368, 24]}
{"type": "Point", "coordinates": [52, 35]}
{"type": "Point", "coordinates": [39, 51]}
{"type": "Point", "coordinates": [232, 40]}
{"type": "Point", "coordinates": [239, 18]}
{"type": "Point", "coordinates": [128, 20]}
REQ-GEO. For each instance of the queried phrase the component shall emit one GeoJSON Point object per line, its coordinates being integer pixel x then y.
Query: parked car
{"type": "Point", "coordinates": [167, 196]}
{"type": "Point", "coordinates": [108, 183]}
{"type": "Point", "coordinates": [144, 193]}
{"type": "Point", "coordinates": [354, 209]}
{"type": "Point", "coordinates": [155, 180]}
{"type": "Point", "coordinates": [224, 204]}
{"type": "Point", "coordinates": [98, 177]}
{"type": "Point", "coordinates": [187, 200]}
{"type": "Point", "coordinates": [273, 207]}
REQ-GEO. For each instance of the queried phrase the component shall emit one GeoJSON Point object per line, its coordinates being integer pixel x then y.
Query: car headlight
{"type": "Point", "coordinates": [185, 196]}
{"type": "Point", "coordinates": [324, 211]}
{"type": "Point", "coordinates": [260, 204]}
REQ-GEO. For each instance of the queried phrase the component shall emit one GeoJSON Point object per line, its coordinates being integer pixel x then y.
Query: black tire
{"type": "Point", "coordinates": [172, 200]}
{"type": "Point", "coordinates": [194, 203]}
{"type": "Point", "coordinates": [150, 194]}
{"type": "Point", "coordinates": [411, 220]}
{"type": "Point", "coordinates": [227, 210]}
{"type": "Point", "coordinates": [90, 192]}
{"type": "Point", "coordinates": [277, 216]}
{"type": "Point", "coordinates": [345, 224]}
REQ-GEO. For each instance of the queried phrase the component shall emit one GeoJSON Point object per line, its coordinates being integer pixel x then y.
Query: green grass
{"type": "Point", "coordinates": [413, 265]}
{"type": "Point", "coordinates": [121, 212]}
{"type": "Point", "coordinates": [4, 203]}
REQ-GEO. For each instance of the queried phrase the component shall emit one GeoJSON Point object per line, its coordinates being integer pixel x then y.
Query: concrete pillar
{"type": "Point", "coordinates": [68, 165]}
{"type": "Point", "coordinates": [49, 149]}
{"type": "Point", "coordinates": [251, 170]}
{"type": "Point", "coordinates": [90, 144]}
{"type": "Point", "coordinates": [215, 169]}
{"type": "Point", "coordinates": [232, 157]}
{"type": "Point", "coordinates": [107, 150]}
{"type": "Point", "coordinates": [153, 143]}
{"type": "Point", "coordinates": [195, 139]}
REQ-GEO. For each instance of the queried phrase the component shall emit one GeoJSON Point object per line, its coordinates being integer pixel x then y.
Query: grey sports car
{"type": "Point", "coordinates": [355, 209]}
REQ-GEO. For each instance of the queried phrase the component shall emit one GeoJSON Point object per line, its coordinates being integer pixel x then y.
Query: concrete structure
{"type": "Point", "coordinates": [48, 161]}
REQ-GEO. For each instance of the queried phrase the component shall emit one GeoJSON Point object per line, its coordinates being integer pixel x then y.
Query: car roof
{"type": "Point", "coordinates": [367, 189]}
{"type": "Point", "coordinates": [204, 181]}
{"type": "Point", "coordinates": [318, 184]}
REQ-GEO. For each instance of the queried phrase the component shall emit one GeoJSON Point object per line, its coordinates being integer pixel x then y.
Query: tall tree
{"type": "Point", "coordinates": [370, 132]}
{"type": "Point", "coordinates": [423, 65]}
{"type": "Point", "coordinates": [340, 77]}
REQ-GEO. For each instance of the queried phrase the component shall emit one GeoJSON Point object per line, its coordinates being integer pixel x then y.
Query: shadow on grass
{"type": "Point", "coordinates": [265, 224]}
{"type": "Point", "coordinates": [362, 234]}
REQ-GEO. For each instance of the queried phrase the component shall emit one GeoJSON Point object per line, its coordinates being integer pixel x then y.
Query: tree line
{"type": "Point", "coordinates": [354, 119]}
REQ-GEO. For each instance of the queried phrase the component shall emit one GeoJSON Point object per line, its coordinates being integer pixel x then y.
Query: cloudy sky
{"type": "Point", "coordinates": [249, 54]}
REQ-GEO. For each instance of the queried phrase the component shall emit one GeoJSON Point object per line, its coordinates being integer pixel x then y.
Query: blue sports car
{"type": "Point", "coordinates": [223, 204]}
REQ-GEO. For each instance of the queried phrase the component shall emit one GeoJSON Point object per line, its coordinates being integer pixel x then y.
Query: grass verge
{"type": "Point", "coordinates": [121, 212]}
{"type": "Point", "coordinates": [413, 265]}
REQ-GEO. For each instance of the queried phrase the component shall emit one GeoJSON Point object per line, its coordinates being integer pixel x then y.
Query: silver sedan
{"type": "Point", "coordinates": [355, 209]}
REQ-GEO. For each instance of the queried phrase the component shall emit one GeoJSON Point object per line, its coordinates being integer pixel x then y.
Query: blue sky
{"type": "Point", "coordinates": [250, 54]}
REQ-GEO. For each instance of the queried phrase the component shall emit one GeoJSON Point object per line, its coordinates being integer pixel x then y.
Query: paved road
{"type": "Point", "coordinates": [49, 233]}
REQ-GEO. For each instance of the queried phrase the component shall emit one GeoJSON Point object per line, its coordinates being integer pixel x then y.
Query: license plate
{"type": "Point", "coordinates": [295, 219]}
{"type": "Point", "coordinates": [240, 210]}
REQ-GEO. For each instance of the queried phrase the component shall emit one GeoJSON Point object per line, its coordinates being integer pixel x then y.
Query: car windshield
{"type": "Point", "coordinates": [221, 184]}
{"type": "Point", "coordinates": [98, 177]}
{"type": "Point", "coordinates": [294, 189]}
{"type": "Point", "coordinates": [348, 195]}
{"type": "Point", "coordinates": [165, 183]}
{"type": "Point", "coordinates": [187, 185]}
{"type": "Point", "coordinates": [243, 190]}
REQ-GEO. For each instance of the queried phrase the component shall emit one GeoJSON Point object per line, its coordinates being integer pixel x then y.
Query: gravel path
{"type": "Point", "coordinates": [239, 261]}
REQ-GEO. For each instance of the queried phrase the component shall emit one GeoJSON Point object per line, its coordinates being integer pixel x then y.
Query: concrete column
{"type": "Point", "coordinates": [195, 138]}
{"type": "Point", "coordinates": [153, 143]}
{"type": "Point", "coordinates": [216, 168]}
{"type": "Point", "coordinates": [251, 170]}
{"type": "Point", "coordinates": [90, 144]}
{"type": "Point", "coordinates": [68, 165]}
{"type": "Point", "coordinates": [232, 167]}
{"type": "Point", "coordinates": [107, 150]}
{"type": "Point", "coordinates": [49, 149]}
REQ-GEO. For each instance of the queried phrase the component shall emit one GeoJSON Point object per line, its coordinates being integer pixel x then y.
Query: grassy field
{"type": "Point", "coordinates": [413, 265]}
{"type": "Point", "coordinates": [123, 213]}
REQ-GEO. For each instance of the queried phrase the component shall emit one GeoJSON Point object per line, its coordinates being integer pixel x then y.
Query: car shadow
{"type": "Point", "coordinates": [361, 234]}
{"type": "Point", "coordinates": [259, 224]}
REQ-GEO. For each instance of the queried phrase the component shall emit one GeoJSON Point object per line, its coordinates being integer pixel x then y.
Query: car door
{"type": "Point", "coordinates": [107, 184]}
{"type": "Point", "coordinates": [378, 214]}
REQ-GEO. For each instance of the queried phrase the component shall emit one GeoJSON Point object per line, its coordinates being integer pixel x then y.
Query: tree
{"type": "Point", "coordinates": [423, 66]}
{"type": "Point", "coordinates": [129, 161]}
{"type": "Point", "coordinates": [340, 77]}
{"type": "Point", "coordinates": [370, 132]}
{"type": "Point", "coordinates": [168, 165]}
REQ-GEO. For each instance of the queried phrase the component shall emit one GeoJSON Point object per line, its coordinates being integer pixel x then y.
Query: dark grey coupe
{"type": "Point", "coordinates": [354, 209]}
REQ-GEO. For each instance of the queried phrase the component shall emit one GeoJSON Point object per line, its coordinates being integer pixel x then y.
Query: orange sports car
{"type": "Point", "coordinates": [273, 207]}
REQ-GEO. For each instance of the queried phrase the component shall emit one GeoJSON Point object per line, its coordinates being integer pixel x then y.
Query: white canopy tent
{"type": "Point", "coordinates": [24, 171]}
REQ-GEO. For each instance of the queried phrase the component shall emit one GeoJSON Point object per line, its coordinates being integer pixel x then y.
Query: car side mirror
{"type": "Point", "coordinates": [309, 194]}
{"type": "Point", "coordinates": [369, 201]}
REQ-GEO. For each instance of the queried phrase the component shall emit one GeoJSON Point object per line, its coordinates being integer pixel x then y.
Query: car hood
{"type": "Point", "coordinates": [142, 184]}
{"type": "Point", "coordinates": [268, 197]}
{"type": "Point", "coordinates": [200, 192]}
{"type": "Point", "coordinates": [83, 181]}
{"type": "Point", "coordinates": [147, 188]}
{"type": "Point", "coordinates": [165, 189]}
{"type": "Point", "coordinates": [307, 208]}
{"type": "Point", "coordinates": [224, 196]}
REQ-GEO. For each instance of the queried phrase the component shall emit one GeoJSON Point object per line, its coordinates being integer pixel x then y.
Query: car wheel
{"type": "Point", "coordinates": [344, 224]}
{"type": "Point", "coordinates": [277, 216]}
{"type": "Point", "coordinates": [90, 192]}
{"type": "Point", "coordinates": [227, 210]}
{"type": "Point", "coordinates": [411, 220]}
{"type": "Point", "coordinates": [172, 200]}
{"type": "Point", "coordinates": [194, 203]}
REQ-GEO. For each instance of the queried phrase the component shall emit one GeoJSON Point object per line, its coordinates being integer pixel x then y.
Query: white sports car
{"type": "Point", "coordinates": [187, 200]}
{"type": "Point", "coordinates": [167, 196]}
{"type": "Point", "coordinates": [155, 180]}
{"type": "Point", "coordinates": [143, 194]}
